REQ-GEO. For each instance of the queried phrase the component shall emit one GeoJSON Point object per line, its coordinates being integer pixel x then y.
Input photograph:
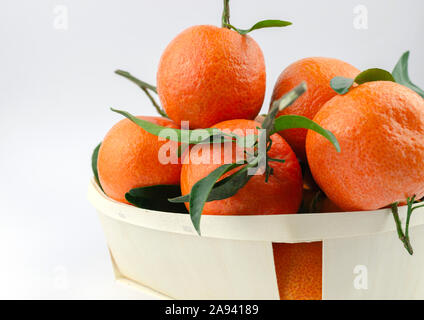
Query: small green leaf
{"type": "Point", "coordinates": [229, 186]}
{"type": "Point", "coordinates": [401, 74]}
{"type": "Point", "coordinates": [157, 130]}
{"type": "Point", "coordinates": [224, 188]}
{"type": "Point", "coordinates": [94, 158]}
{"type": "Point", "coordinates": [295, 121]}
{"type": "Point", "coordinates": [156, 198]}
{"type": "Point", "coordinates": [374, 74]}
{"type": "Point", "coordinates": [260, 25]}
{"type": "Point", "coordinates": [200, 192]}
{"type": "Point", "coordinates": [341, 84]}
{"type": "Point", "coordinates": [278, 105]}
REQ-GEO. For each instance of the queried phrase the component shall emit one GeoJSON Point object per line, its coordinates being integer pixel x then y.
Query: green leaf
{"type": "Point", "coordinates": [374, 74]}
{"type": "Point", "coordinates": [94, 158]}
{"type": "Point", "coordinates": [341, 84]}
{"type": "Point", "coordinates": [260, 25]}
{"type": "Point", "coordinates": [401, 74]}
{"type": "Point", "coordinates": [285, 101]}
{"type": "Point", "coordinates": [156, 198]}
{"type": "Point", "coordinates": [224, 188]}
{"type": "Point", "coordinates": [200, 192]}
{"type": "Point", "coordinates": [179, 135]}
{"type": "Point", "coordinates": [295, 121]}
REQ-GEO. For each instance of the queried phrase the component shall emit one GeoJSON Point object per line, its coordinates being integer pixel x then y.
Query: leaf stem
{"type": "Point", "coordinates": [145, 87]}
{"type": "Point", "coordinates": [155, 104]}
{"type": "Point", "coordinates": [404, 237]}
{"type": "Point", "coordinates": [138, 82]}
{"type": "Point", "coordinates": [226, 14]}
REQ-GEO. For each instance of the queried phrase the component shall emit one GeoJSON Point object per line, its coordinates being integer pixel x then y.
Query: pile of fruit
{"type": "Point", "coordinates": [334, 139]}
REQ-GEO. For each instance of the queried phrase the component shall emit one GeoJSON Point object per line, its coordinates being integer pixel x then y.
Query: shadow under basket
{"type": "Point", "coordinates": [161, 253]}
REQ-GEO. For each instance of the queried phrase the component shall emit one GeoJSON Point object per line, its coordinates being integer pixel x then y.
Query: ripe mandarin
{"type": "Point", "coordinates": [208, 74]}
{"type": "Point", "coordinates": [317, 72]}
{"type": "Point", "coordinates": [128, 158]}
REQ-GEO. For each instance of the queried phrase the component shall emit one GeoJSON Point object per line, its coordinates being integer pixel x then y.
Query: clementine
{"type": "Point", "coordinates": [128, 158]}
{"type": "Point", "coordinates": [208, 74]}
{"type": "Point", "coordinates": [317, 72]}
{"type": "Point", "coordinates": [299, 270]}
{"type": "Point", "coordinates": [380, 128]}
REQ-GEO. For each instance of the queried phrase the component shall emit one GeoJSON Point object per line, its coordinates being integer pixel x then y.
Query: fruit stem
{"type": "Point", "coordinates": [138, 82]}
{"type": "Point", "coordinates": [145, 87]}
{"type": "Point", "coordinates": [402, 236]}
{"type": "Point", "coordinates": [226, 14]}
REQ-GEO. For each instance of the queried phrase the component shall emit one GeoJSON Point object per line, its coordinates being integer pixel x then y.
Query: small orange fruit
{"type": "Point", "coordinates": [280, 195]}
{"type": "Point", "coordinates": [380, 128]}
{"type": "Point", "coordinates": [208, 74]}
{"type": "Point", "coordinates": [299, 270]}
{"type": "Point", "coordinates": [317, 72]}
{"type": "Point", "coordinates": [128, 158]}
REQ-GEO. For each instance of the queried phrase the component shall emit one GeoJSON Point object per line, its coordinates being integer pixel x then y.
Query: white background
{"type": "Point", "coordinates": [56, 87]}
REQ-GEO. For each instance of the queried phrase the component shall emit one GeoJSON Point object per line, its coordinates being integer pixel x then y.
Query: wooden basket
{"type": "Point", "coordinates": [233, 259]}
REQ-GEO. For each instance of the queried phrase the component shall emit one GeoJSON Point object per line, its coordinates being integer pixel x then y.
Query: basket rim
{"type": "Point", "coordinates": [287, 228]}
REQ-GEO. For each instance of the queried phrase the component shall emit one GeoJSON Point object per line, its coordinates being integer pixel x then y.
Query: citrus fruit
{"type": "Point", "coordinates": [299, 270]}
{"type": "Point", "coordinates": [281, 194]}
{"type": "Point", "coordinates": [208, 74]}
{"type": "Point", "coordinates": [317, 72]}
{"type": "Point", "coordinates": [128, 158]}
{"type": "Point", "coordinates": [380, 128]}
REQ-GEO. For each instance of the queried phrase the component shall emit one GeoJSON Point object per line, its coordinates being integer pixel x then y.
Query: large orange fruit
{"type": "Point", "coordinates": [281, 194]}
{"type": "Point", "coordinates": [129, 158]}
{"type": "Point", "coordinates": [208, 74]}
{"type": "Point", "coordinates": [317, 72]}
{"type": "Point", "coordinates": [380, 128]}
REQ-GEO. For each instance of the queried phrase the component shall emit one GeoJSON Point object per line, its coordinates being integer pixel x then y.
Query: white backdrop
{"type": "Point", "coordinates": [57, 83]}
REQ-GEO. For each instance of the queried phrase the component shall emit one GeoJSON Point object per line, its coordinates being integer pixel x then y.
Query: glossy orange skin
{"type": "Point", "coordinates": [317, 72]}
{"type": "Point", "coordinates": [380, 128]}
{"type": "Point", "coordinates": [128, 158]}
{"type": "Point", "coordinates": [282, 194]}
{"type": "Point", "coordinates": [208, 74]}
{"type": "Point", "coordinates": [299, 270]}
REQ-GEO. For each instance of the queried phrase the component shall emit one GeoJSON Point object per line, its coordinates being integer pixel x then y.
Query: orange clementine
{"type": "Point", "coordinates": [208, 74]}
{"type": "Point", "coordinates": [317, 72]}
{"type": "Point", "coordinates": [380, 128]}
{"type": "Point", "coordinates": [299, 270]}
{"type": "Point", "coordinates": [281, 194]}
{"type": "Point", "coordinates": [128, 158]}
